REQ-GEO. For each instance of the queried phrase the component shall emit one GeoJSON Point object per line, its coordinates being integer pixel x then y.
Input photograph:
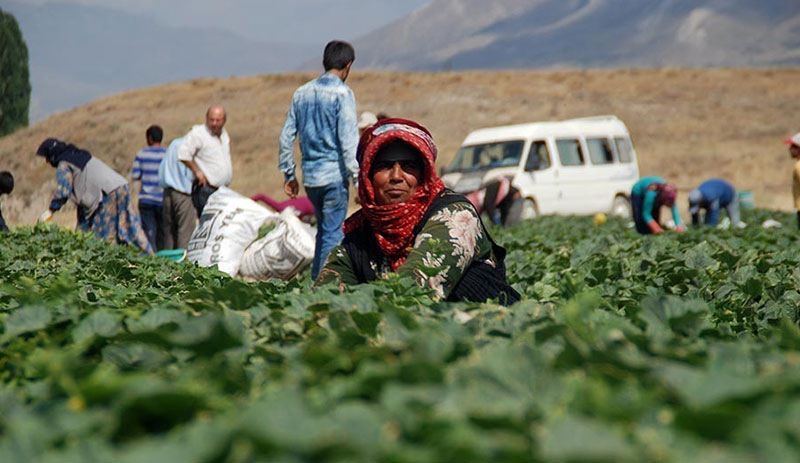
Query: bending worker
{"type": "Point", "coordinates": [411, 225]}
{"type": "Point", "coordinates": [712, 195]}
{"type": "Point", "coordinates": [647, 197]}
{"type": "Point", "coordinates": [100, 194]}
{"type": "Point", "coordinates": [500, 200]}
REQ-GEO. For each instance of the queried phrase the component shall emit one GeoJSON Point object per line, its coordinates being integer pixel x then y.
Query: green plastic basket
{"type": "Point", "coordinates": [176, 255]}
{"type": "Point", "coordinates": [746, 200]}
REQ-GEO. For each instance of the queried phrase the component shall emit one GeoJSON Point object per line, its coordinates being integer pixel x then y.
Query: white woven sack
{"type": "Point", "coordinates": [282, 253]}
{"type": "Point", "coordinates": [228, 224]}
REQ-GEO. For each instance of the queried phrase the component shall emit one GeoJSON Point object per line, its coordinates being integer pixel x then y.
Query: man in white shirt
{"type": "Point", "coordinates": [206, 151]}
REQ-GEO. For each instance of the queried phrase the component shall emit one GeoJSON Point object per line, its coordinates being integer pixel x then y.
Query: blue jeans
{"type": "Point", "coordinates": [637, 201]}
{"type": "Point", "coordinates": [330, 208]}
{"type": "Point", "coordinates": [151, 223]}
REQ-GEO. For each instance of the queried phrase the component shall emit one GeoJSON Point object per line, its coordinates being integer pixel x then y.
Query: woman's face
{"type": "Point", "coordinates": [395, 177]}
{"type": "Point", "coordinates": [794, 151]}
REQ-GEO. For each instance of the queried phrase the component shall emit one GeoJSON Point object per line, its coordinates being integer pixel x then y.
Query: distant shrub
{"type": "Point", "coordinates": [15, 87]}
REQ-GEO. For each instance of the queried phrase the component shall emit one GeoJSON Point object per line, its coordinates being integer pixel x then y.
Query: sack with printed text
{"type": "Point", "coordinates": [228, 224]}
{"type": "Point", "coordinates": [284, 252]}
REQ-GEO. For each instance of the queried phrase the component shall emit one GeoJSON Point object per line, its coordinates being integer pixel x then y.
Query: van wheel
{"type": "Point", "coordinates": [529, 210]}
{"type": "Point", "coordinates": [621, 207]}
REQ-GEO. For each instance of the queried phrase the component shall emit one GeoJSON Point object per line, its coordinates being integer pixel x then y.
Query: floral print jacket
{"type": "Point", "coordinates": [449, 242]}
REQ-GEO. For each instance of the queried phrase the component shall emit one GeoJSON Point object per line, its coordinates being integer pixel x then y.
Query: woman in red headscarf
{"type": "Point", "coordinates": [411, 225]}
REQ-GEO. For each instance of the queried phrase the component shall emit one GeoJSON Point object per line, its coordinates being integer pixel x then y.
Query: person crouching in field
{"type": "Point", "coordinates": [409, 224]}
{"type": "Point", "coordinates": [100, 194]}
{"type": "Point", "coordinates": [794, 152]}
{"type": "Point", "coordinates": [647, 197]}
{"type": "Point", "coordinates": [6, 187]}
{"type": "Point", "coordinates": [713, 195]}
{"type": "Point", "coordinates": [500, 200]}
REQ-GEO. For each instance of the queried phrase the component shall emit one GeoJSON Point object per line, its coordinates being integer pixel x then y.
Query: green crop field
{"type": "Point", "coordinates": [669, 348]}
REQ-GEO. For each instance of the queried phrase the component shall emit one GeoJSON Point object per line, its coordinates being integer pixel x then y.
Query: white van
{"type": "Point", "coordinates": [578, 166]}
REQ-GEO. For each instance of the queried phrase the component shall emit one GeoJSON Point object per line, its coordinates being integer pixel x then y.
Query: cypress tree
{"type": "Point", "coordinates": [15, 86]}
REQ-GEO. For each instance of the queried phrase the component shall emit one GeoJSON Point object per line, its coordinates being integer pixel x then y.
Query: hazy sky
{"type": "Point", "coordinates": [292, 21]}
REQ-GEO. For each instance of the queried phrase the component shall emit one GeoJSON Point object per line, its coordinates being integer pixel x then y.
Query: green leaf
{"type": "Point", "coordinates": [100, 323]}
{"type": "Point", "coordinates": [283, 420]}
{"type": "Point", "coordinates": [135, 355]}
{"type": "Point", "coordinates": [575, 438]}
{"type": "Point", "coordinates": [153, 319]}
{"type": "Point", "coordinates": [198, 442]}
{"type": "Point", "coordinates": [27, 319]}
{"type": "Point", "coordinates": [699, 388]}
{"type": "Point", "coordinates": [668, 316]}
{"type": "Point", "coordinates": [698, 258]}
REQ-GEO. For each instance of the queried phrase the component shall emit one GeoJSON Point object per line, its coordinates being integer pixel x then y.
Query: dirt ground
{"type": "Point", "coordinates": [687, 124]}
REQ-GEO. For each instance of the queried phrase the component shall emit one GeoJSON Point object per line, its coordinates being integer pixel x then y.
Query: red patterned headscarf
{"type": "Point", "coordinates": [393, 224]}
{"type": "Point", "coordinates": [667, 194]}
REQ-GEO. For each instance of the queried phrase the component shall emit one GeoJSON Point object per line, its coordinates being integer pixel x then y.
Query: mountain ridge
{"type": "Point", "coordinates": [119, 51]}
{"type": "Point", "coordinates": [518, 34]}
{"type": "Point", "coordinates": [122, 51]}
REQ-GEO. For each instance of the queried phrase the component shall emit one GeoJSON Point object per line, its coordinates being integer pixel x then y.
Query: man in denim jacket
{"type": "Point", "coordinates": [323, 117]}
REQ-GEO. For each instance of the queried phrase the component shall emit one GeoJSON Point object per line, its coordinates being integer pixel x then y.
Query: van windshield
{"type": "Point", "coordinates": [487, 156]}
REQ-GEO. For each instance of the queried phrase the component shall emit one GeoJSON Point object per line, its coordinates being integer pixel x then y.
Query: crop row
{"type": "Point", "coordinates": [625, 348]}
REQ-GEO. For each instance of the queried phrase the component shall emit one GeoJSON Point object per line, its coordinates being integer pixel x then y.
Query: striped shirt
{"type": "Point", "coordinates": [145, 168]}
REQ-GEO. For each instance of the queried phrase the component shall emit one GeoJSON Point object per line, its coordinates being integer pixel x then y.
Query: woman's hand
{"type": "Point", "coordinates": [655, 227]}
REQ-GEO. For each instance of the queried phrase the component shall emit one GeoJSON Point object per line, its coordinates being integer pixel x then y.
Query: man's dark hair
{"type": "Point", "coordinates": [337, 55]}
{"type": "Point", "coordinates": [6, 182]}
{"type": "Point", "coordinates": [155, 133]}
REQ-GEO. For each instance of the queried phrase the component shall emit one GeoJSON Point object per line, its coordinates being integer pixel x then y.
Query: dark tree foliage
{"type": "Point", "coordinates": [15, 86]}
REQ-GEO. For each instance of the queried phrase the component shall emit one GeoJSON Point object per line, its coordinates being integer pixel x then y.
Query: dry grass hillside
{"type": "Point", "coordinates": [687, 124]}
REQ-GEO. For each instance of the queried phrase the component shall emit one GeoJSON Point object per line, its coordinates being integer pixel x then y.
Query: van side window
{"type": "Point", "coordinates": [600, 151]}
{"type": "Point", "coordinates": [487, 156]}
{"type": "Point", "coordinates": [570, 152]}
{"type": "Point", "coordinates": [624, 149]}
{"type": "Point", "coordinates": [538, 157]}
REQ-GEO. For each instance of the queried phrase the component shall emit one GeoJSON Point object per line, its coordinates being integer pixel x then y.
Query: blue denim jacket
{"type": "Point", "coordinates": [323, 114]}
